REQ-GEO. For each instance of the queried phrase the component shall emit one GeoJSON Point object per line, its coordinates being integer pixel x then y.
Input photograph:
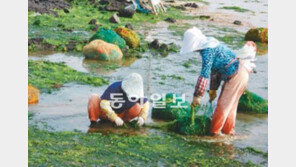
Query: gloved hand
{"type": "Point", "coordinates": [196, 101]}
{"type": "Point", "coordinates": [212, 94]}
{"type": "Point", "coordinates": [140, 121]}
{"type": "Point", "coordinates": [118, 121]}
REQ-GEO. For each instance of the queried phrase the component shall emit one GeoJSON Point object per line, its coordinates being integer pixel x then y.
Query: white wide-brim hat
{"type": "Point", "coordinates": [132, 85]}
{"type": "Point", "coordinates": [195, 40]}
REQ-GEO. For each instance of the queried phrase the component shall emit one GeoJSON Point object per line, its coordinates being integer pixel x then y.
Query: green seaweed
{"type": "Point", "coordinates": [187, 64]}
{"type": "Point", "coordinates": [251, 102]}
{"type": "Point", "coordinates": [173, 76]}
{"type": "Point", "coordinates": [47, 148]}
{"type": "Point", "coordinates": [185, 119]}
{"type": "Point", "coordinates": [176, 77]}
{"type": "Point", "coordinates": [73, 26]}
{"type": "Point", "coordinates": [30, 115]}
{"type": "Point", "coordinates": [48, 76]}
{"type": "Point", "coordinates": [200, 126]}
{"type": "Point", "coordinates": [256, 151]}
{"type": "Point", "coordinates": [235, 41]}
{"type": "Point", "coordinates": [235, 8]}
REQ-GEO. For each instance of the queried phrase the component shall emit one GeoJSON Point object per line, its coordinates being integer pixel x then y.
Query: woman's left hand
{"type": "Point", "coordinates": [213, 95]}
{"type": "Point", "coordinates": [140, 121]}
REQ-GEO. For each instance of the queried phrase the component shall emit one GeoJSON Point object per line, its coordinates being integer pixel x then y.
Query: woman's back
{"type": "Point", "coordinates": [220, 59]}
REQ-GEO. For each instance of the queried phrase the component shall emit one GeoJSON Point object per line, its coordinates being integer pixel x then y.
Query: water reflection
{"type": "Point", "coordinates": [103, 67]}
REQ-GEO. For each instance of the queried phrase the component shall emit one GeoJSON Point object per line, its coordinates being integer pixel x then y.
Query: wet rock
{"type": "Point", "coordinates": [68, 29]}
{"type": "Point", "coordinates": [181, 7]}
{"type": "Point", "coordinates": [126, 12]}
{"type": "Point", "coordinates": [46, 6]}
{"type": "Point", "coordinates": [38, 43]}
{"type": "Point", "coordinates": [114, 19]}
{"type": "Point", "coordinates": [101, 50]}
{"type": "Point", "coordinates": [131, 38]}
{"type": "Point", "coordinates": [116, 5]}
{"type": "Point", "coordinates": [35, 41]}
{"type": "Point", "coordinates": [101, 8]}
{"type": "Point", "coordinates": [257, 35]}
{"type": "Point", "coordinates": [170, 20]}
{"type": "Point", "coordinates": [33, 94]}
{"type": "Point", "coordinates": [104, 2]}
{"type": "Point", "coordinates": [66, 11]}
{"type": "Point", "coordinates": [154, 44]}
{"type": "Point", "coordinates": [71, 45]}
{"type": "Point", "coordinates": [192, 5]}
{"type": "Point", "coordinates": [129, 26]}
{"type": "Point", "coordinates": [94, 27]}
{"type": "Point", "coordinates": [237, 22]}
{"type": "Point", "coordinates": [93, 21]}
{"type": "Point", "coordinates": [54, 13]}
{"type": "Point", "coordinates": [164, 47]}
{"type": "Point", "coordinates": [173, 47]}
{"type": "Point", "coordinates": [204, 17]}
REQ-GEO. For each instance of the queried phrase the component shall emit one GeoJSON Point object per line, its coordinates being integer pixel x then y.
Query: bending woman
{"type": "Point", "coordinates": [220, 64]}
{"type": "Point", "coordinates": [121, 101]}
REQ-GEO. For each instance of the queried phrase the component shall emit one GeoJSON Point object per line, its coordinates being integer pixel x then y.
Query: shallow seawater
{"type": "Point", "coordinates": [66, 109]}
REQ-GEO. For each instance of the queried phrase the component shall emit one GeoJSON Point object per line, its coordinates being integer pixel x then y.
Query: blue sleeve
{"type": "Point", "coordinates": [207, 62]}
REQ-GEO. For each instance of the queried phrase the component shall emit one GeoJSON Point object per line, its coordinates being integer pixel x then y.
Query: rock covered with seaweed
{"type": "Point", "coordinates": [101, 50]}
{"type": "Point", "coordinates": [257, 35]}
{"type": "Point", "coordinates": [251, 102]}
{"type": "Point", "coordinates": [109, 36]}
{"type": "Point", "coordinates": [33, 94]}
{"type": "Point", "coordinates": [131, 38]}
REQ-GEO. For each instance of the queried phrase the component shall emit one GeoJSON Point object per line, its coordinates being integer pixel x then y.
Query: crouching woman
{"type": "Point", "coordinates": [220, 64]}
{"type": "Point", "coordinates": [122, 101]}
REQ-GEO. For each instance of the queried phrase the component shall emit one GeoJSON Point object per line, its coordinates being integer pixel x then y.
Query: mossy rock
{"type": "Point", "coordinates": [109, 36]}
{"type": "Point", "coordinates": [33, 95]}
{"type": "Point", "coordinates": [252, 103]}
{"type": "Point", "coordinates": [131, 38]}
{"type": "Point", "coordinates": [257, 35]}
{"type": "Point", "coordinates": [101, 50]}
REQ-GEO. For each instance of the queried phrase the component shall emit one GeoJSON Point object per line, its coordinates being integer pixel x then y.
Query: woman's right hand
{"type": "Point", "coordinates": [118, 121]}
{"type": "Point", "coordinates": [196, 101]}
